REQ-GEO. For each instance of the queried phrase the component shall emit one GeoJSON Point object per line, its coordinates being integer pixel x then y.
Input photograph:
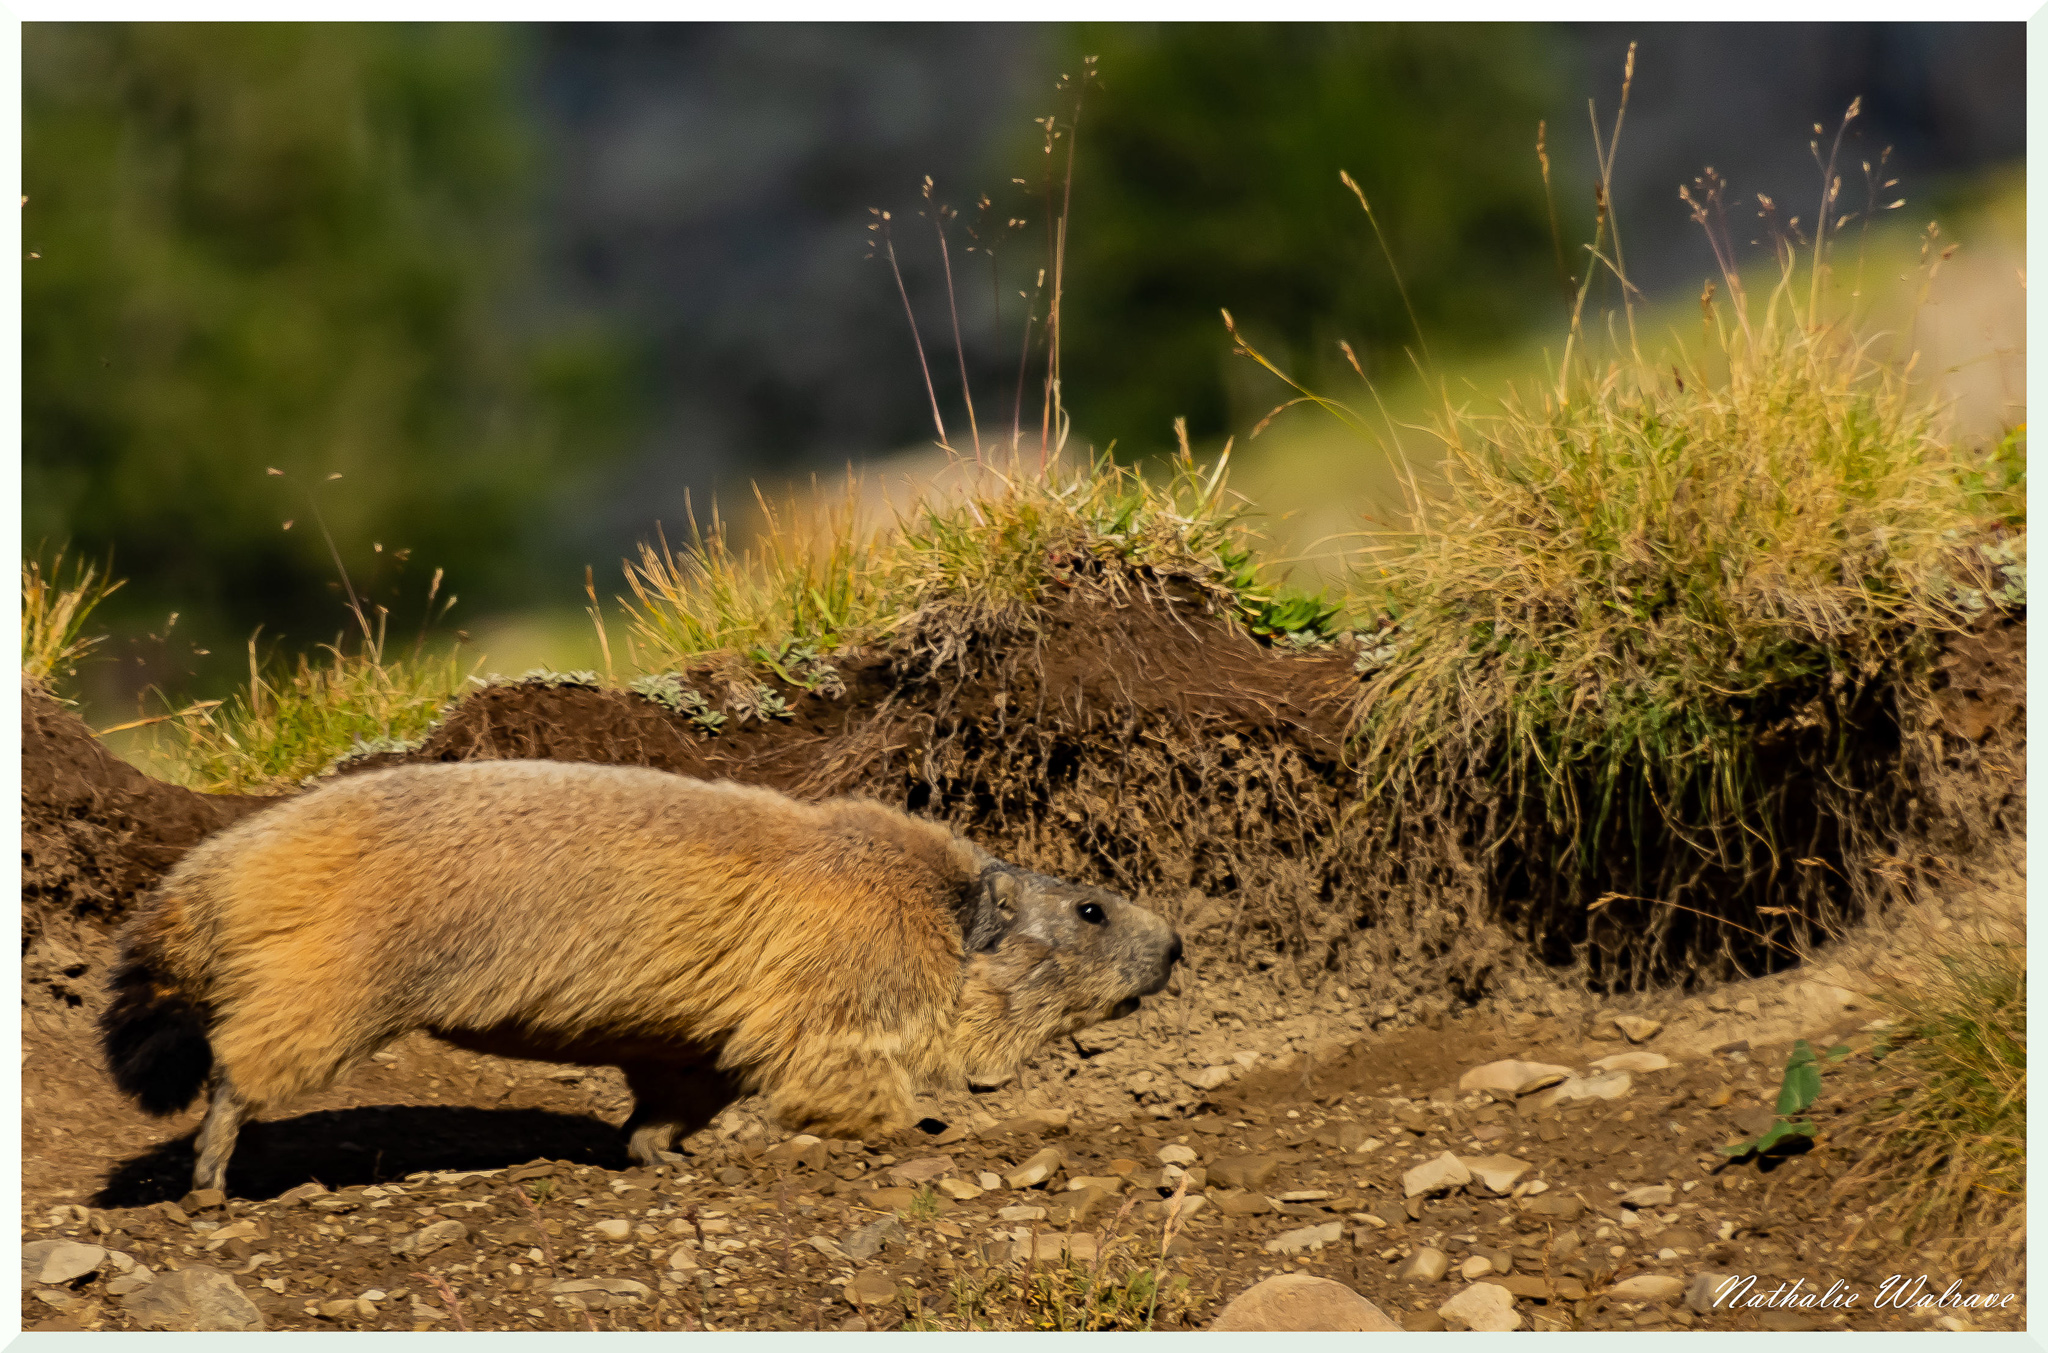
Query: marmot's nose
{"type": "Point", "coordinates": [1173, 954]}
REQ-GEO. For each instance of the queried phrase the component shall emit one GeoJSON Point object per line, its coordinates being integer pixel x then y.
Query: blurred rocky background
{"type": "Point", "coordinates": [524, 289]}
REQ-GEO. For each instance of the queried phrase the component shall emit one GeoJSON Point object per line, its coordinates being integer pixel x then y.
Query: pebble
{"type": "Point", "coordinates": [1301, 1301]}
{"type": "Point", "coordinates": [863, 1244]}
{"type": "Point", "coordinates": [614, 1228]}
{"type": "Point", "coordinates": [1497, 1173]}
{"type": "Point", "coordinates": [1606, 1085]}
{"type": "Point", "coordinates": [1441, 1175]}
{"type": "Point", "coordinates": [1036, 1170]}
{"type": "Point", "coordinates": [1243, 1172]}
{"type": "Point", "coordinates": [1633, 1061]}
{"type": "Point", "coordinates": [1637, 1029]}
{"type": "Point", "coordinates": [1699, 1295]}
{"type": "Point", "coordinates": [438, 1235]}
{"type": "Point", "coordinates": [959, 1189]}
{"type": "Point", "coordinates": [1175, 1154]}
{"type": "Point", "coordinates": [1426, 1265]}
{"type": "Point", "coordinates": [1478, 1266]}
{"type": "Point", "coordinates": [1307, 1238]}
{"type": "Point", "coordinates": [988, 1181]}
{"type": "Point", "coordinates": [1483, 1306]}
{"type": "Point", "coordinates": [1647, 1287]}
{"type": "Point", "coordinates": [1650, 1195]}
{"type": "Point", "coordinates": [922, 1171]}
{"type": "Point", "coordinates": [1512, 1077]}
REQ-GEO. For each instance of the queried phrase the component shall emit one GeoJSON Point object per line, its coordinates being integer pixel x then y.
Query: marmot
{"type": "Point", "coordinates": [710, 939]}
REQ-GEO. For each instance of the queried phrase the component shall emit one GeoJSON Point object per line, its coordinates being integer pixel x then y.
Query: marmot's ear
{"type": "Point", "coordinates": [991, 909]}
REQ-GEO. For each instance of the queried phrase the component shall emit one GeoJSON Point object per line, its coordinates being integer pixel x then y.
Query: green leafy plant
{"type": "Point", "coordinates": [1796, 1094]}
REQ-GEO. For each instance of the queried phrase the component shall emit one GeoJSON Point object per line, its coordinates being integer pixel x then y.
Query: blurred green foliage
{"type": "Point", "coordinates": [1207, 179]}
{"type": "Point", "coordinates": [300, 247]}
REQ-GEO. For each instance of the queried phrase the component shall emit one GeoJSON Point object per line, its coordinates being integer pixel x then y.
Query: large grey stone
{"type": "Point", "coordinates": [1483, 1306]}
{"type": "Point", "coordinates": [195, 1298]}
{"type": "Point", "coordinates": [1302, 1301]}
{"type": "Point", "coordinates": [58, 1261]}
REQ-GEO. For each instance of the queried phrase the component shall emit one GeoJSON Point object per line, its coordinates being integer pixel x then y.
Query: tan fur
{"type": "Point", "coordinates": [710, 938]}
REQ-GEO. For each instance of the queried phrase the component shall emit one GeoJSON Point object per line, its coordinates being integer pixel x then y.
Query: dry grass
{"type": "Point", "coordinates": [54, 613]}
{"type": "Point", "coordinates": [1945, 1149]}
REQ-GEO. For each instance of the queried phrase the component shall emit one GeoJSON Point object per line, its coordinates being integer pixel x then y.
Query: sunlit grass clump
{"type": "Point", "coordinates": [54, 614]}
{"type": "Point", "coordinates": [983, 556]}
{"type": "Point", "coordinates": [293, 722]}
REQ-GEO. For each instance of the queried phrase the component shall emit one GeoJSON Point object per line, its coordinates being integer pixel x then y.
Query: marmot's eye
{"type": "Point", "coordinates": [1091, 912]}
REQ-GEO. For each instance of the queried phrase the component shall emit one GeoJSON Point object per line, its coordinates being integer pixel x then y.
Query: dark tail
{"type": "Point", "coordinates": [154, 1036]}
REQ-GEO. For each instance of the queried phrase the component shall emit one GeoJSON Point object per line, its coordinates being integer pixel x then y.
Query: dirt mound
{"type": "Point", "coordinates": [1144, 743]}
{"type": "Point", "coordinates": [95, 831]}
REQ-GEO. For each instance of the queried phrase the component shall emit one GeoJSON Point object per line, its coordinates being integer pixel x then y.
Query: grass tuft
{"type": "Point", "coordinates": [1641, 598]}
{"type": "Point", "coordinates": [296, 722]}
{"type": "Point", "coordinates": [54, 613]}
{"type": "Point", "coordinates": [984, 556]}
{"type": "Point", "coordinates": [1947, 1151]}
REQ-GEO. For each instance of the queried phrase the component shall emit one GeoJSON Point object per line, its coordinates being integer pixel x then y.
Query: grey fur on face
{"type": "Point", "coordinates": [1079, 926]}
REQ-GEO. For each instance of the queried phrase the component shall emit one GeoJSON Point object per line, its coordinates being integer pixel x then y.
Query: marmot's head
{"type": "Point", "coordinates": [1046, 958]}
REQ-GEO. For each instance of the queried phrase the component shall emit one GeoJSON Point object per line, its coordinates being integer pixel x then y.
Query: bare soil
{"type": "Point", "coordinates": [1191, 769]}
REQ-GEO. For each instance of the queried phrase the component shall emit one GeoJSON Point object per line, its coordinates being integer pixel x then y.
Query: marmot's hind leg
{"type": "Point", "coordinates": [226, 1111]}
{"type": "Point", "coordinates": [845, 1091]}
{"type": "Point", "coordinates": [670, 1102]}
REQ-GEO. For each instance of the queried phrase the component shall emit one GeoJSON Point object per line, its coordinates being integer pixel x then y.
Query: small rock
{"type": "Point", "coordinates": [1512, 1077]}
{"type": "Point", "coordinates": [921, 1171]}
{"type": "Point", "coordinates": [863, 1244]}
{"type": "Point", "coordinates": [58, 1261]}
{"type": "Point", "coordinates": [1637, 1029]}
{"type": "Point", "coordinates": [1301, 1301]}
{"type": "Point", "coordinates": [682, 1258]}
{"type": "Point", "coordinates": [599, 1294]}
{"type": "Point", "coordinates": [1107, 1183]}
{"type": "Point", "coordinates": [958, 1189]}
{"type": "Point", "coordinates": [134, 1280]}
{"type": "Point", "coordinates": [1302, 1196]}
{"type": "Point", "coordinates": [202, 1200]}
{"type": "Point", "coordinates": [613, 1228]}
{"type": "Point", "coordinates": [1208, 1077]}
{"type": "Point", "coordinates": [1497, 1173]}
{"type": "Point", "coordinates": [1307, 1238]}
{"type": "Point", "coordinates": [1243, 1172]}
{"type": "Point", "coordinates": [1483, 1306]}
{"type": "Point", "coordinates": [1633, 1061]}
{"type": "Point", "coordinates": [1650, 1195]}
{"type": "Point", "coordinates": [988, 1181]}
{"type": "Point", "coordinates": [1526, 1285]}
{"type": "Point", "coordinates": [1647, 1287]}
{"type": "Point", "coordinates": [437, 1235]}
{"type": "Point", "coordinates": [1036, 1170]}
{"type": "Point", "coordinates": [1478, 1266]}
{"type": "Point", "coordinates": [193, 1298]}
{"type": "Point", "coordinates": [801, 1150]}
{"type": "Point", "coordinates": [1020, 1213]}
{"type": "Point", "coordinates": [1441, 1175]}
{"type": "Point", "coordinates": [1705, 1288]}
{"type": "Point", "coordinates": [1746, 1006]}
{"type": "Point", "coordinates": [1248, 1203]}
{"type": "Point", "coordinates": [1175, 1154]}
{"type": "Point", "coordinates": [1426, 1265]}
{"type": "Point", "coordinates": [1606, 1085]}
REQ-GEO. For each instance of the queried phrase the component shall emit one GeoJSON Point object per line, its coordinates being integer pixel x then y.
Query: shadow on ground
{"type": "Point", "coordinates": [340, 1147]}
